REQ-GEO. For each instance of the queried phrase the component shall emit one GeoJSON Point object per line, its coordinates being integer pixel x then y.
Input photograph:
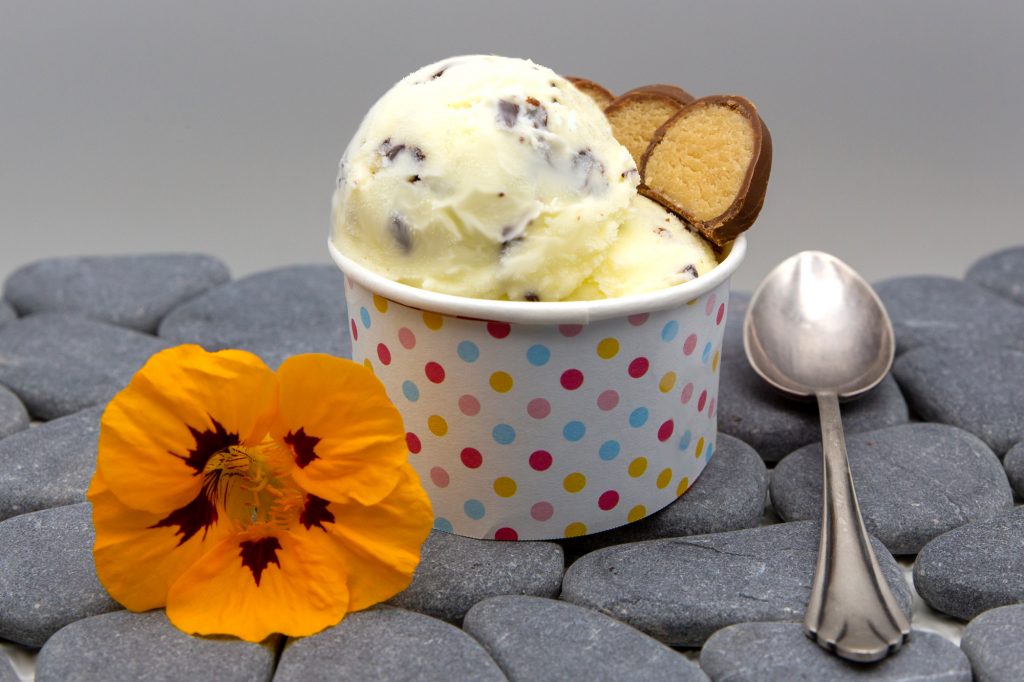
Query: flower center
{"type": "Point", "coordinates": [242, 482]}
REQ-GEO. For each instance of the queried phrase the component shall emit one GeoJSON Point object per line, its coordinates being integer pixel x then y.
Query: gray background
{"type": "Point", "coordinates": [195, 126]}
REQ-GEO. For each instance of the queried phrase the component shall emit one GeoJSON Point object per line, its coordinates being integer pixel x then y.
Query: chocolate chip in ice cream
{"type": "Point", "coordinates": [689, 270]}
{"type": "Point", "coordinates": [592, 171]}
{"type": "Point", "coordinates": [401, 233]}
{"type": "Point", "coordinates": [508, 113]}
{"type": "Point", "coordinates": [390, 151]}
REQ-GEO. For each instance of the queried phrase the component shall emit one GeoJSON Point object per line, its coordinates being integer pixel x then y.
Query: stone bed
{"type": "Point", "coordinates": [717, 591]}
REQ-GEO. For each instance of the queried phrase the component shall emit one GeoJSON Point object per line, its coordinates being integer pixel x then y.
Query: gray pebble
{"type": "Point", "coordinates": [913, 481]}
{"type": "Point", "coordinates": [1001, 272]}
{"type": "Point", "coordinates": [7, 313]}
{"type": "Point", "coordinates": [974, 568]}
{"type": "Point", "coordinates": [387, 645]}
{"type": "Point", "coordinates": [59, 364]}
{"type": "Point", "coordinates": [13, 415]}
{"type": "Point", "coordinates": [456, 572]}
{"type": "Point", "coordinates": [7, 673]}
{"type": "Point", "coordinates": [1014, 463]}
{"type": "Point", "coordinates": [275, 314]}
{"type": "Point", "coordinates": [781, 652]}
{"type": "Point", "coordinates": [994, 642]}
{"type": "Point", "coordinates": [127, 647]}
{"type": "Point", "coordinates": [728, 495]}
{"type": "Point", "coordinates": [47, 575]}
{"type": "Point", "coordinates": [940, 310]}
{"type": "Point", "coordinates": [681, 590]}
{"type": "Point", "coordinates": [130, 291]}
{"type": "Point", "coordinates": [50, 465]}
{"type": "Point", "coordinates": [980, 389]}
{"type": "Point", "coordinates": [545, 639]}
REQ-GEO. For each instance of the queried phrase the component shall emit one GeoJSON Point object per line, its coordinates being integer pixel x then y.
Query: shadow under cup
{"type": "Point", "coordinates": [530, 421]}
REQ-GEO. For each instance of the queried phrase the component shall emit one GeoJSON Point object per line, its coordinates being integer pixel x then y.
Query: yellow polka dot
{"type": "Point", "coordinates": [683, 485]}
{"type": "Point", "coordinates": [714, 362]}
{"type": "Point", "coordinates": [608, 348]}
{"type": "Point", "coordinates": [437, 425]}
{"type": "Point", "coordinates": [700, 447]}
{"type": "Point", "coordinates": [367, 364]}
{"type": "Point", "coordinates": [432, 320]}
{"type": "Point", "coordinates": [667, 382]}
{"type": "Point", "coordinates": [575, 529]}
{"type": "Point", "coordinates": [664, 478]}
{"type": "Point", "coordinates": [574, 482]}
{"type": "Point", "coordinates": [380, 303]}
{"type": "Point", "coordinates": [637, 513]}
{"type": "Point", "coordinates": [693, 302]}
{"type": "Point", "coordinates": [501, 382]}
{"type": "Point", "coordinates": [505, 486]}
{"type": "Point", "coordinates": [637, 467]}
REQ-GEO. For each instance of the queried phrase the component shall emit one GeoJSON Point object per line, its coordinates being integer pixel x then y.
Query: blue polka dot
{"type": "Point", "coordinates": [609, 450]}
{"type": "Point", "coordinates": [638, 417]}
{"type": "Point", "coordinates": [538, 355]}
{"type": "Point", "coordinates": [574, 431]}
{"type": "Point", "coordinates": [443, 525]}
{"type": "Point", "coordinates": [474, 509]}
{"type": "Point", "coordinates": [468, 351]}
{"type": "Point", "coordinates": [707, 452]}
{"type": "Point", "coordinates": [707, 352]}
{"type": "Point", "coordinates": [684, 440]}
{"type": "Point", "coordinates": [669, 331]}
{"type": "Point", "coordinates": [412, 394]}
{"type": "Point", "coordinates": [364, 315]}
{"type": "Point", "coordinates": [503, 434]}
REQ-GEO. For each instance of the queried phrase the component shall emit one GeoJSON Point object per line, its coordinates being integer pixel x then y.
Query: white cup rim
{"type": "Point", "coordinates": [542, 312]}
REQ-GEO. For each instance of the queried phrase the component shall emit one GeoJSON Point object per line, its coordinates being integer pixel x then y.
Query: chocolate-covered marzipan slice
{"type": "Point", "coordinates": [635, 115]}
{"type": "Point", "coordinates": [601, 95]}
{"type": "Point", "coordinates": [710, 163]}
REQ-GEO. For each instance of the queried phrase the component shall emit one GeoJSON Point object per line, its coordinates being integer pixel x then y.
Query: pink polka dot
{"type": "Point", "coordinates": [471, 458]}
{"type": "Point", "coordinates": [406, 338]}
{"type": "Point", "coordinates": [499, 330]}
{"type": "Point", "coordinates": [384, 354]}
{"type": "Point", "coordinates": [434, 372]}
{"type": "Point", "coordinates": [687, 393]}
{"type": "Point", "coordinates": [542, 511]}
{"type": "Point", "coordinates": [506, 534]}
{"type": "Point", "coordinates": [638, 367]}
{"type": "Point", "coordinates": [701, 400]}
{"type": "Point", "coordinates": [608, 400]}
{"type": "Point", "coordinates": [540, 460]}
{"type": "Point", "coordinates": [440, 477]}
{"type": "Point", "coordinates": [637, 320]}
{"type": "Point", "coordinates": [665, 430]}
{"type": "Point", "coordinates": [355, 331]}
{"type": "Point", "coordinates": [721, 314]}
{"type": "Point", "coordinates": [570, 330]}
{"type": "Point", "coordinates": [572, 379]}
{"type": "Point", "coordinates": [690, 344]}
{"type": "Point", "coordinates": [710, 305]}
{"type": "Point", "coordinates": [469, 405]}
{"type": "Point", "coordinates": [711, 408]}
{"type": "Point", "coordinates": [538, 408]}
{"type": "Point", "coordinates": [608, 500]}
{"type": "Point", "coordinates": [412, 441]}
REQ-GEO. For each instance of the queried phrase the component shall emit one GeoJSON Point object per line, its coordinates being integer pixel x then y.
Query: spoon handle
{"type": "Point", "coordinates": [851, 610]}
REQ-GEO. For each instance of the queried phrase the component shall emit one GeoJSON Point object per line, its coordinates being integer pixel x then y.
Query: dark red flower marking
{"type": "Point", "coordinates": [208, 444]}
{"type": "Point", "coordinates": [200, 513]}
{"type": "Point", "coordinates": [302, 445]}
{"type": "Point", "coordinates": [258, 554]}
{"type": "Point", "coordinates": [316, 513]}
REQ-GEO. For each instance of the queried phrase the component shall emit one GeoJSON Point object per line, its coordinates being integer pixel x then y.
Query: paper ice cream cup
{"type": "Point", "coordinates": [535, 420]}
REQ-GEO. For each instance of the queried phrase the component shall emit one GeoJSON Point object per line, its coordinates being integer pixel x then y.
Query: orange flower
{"type": "Point", "coordinates": [249, 502]}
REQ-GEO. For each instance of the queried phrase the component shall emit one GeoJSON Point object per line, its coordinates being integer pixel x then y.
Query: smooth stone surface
{"type": "Point", "coordinates": [50, 465]}
{"type": "Point", "coordinates": [1014, 464]}
{"type": "Point", "coordinates": [979, 389]}
{"type": "Point", "coordinates": [1001, 272]}
{"type": "Point", "coordinates": [749, 409]}
{"type": "Point", "coordinates": [929, 310]}
{"type": "Point", "coordinates": [129, 291]}
{"type": "Point", "coordinates": [277, 313]}
{"type": "Point", "coordinates": [387, 645]}
{"type": "Point", "coordinates": [914, 482]}
{"type": "Point", "coordinates": [781, 652]}
{"type": "Point", "coordinates": [6, 312]}
{"type": "Point", "coordinates": [7, 673]}
{"type": "Point", "coordinates": [59, 364]}
{"type": "Point", "coordinates": [994, 643]}
{"type": "Point", "coordinates": [974, 568]}
{"type": "Point", "coordinates": [545, 639]}
{"type": "Point", "coordinates": [456, 572]}
{"type": "Point", "coordinates": [728, 495]}
{"type": "Point", "coordinates": [127, 647]}
{"type": "Point", "coordinates": [681, 590]}
{"type": "Point", "coordinates": [47, 575]}
{"type": "Point", "coordinates": [13, 415]}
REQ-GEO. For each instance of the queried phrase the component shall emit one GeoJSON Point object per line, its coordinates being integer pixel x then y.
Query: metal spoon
{"type": "Point", "coordinates": [815, 328]}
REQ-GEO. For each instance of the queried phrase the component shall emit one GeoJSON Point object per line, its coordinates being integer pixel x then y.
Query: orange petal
{"type": "Point", "coordinates": [135, 561]}
{"type": "Point", "coordinates": [183, 406]}
{"type": "Point", "coordinates": [345, 436]}
{"type": "Point", "coordinates": [254, 585]}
